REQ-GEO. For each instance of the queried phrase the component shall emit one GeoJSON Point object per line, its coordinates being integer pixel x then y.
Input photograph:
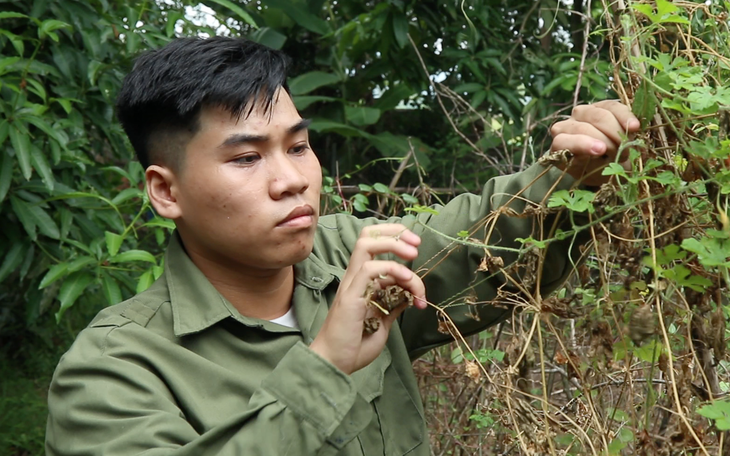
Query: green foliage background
{"type": "Point", "coordinates": [381, 79]}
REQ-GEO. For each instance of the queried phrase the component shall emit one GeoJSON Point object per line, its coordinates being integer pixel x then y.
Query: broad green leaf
{"type": "Point", "coordinates": [644, 105]}
{"type": "Point", "coordinates": [393, 96]}
{"type": "Point", "coordinates": [21, 144]}
{"type": "Point", "coordinates": [304, 101]}
{"type": "Point", "coordinates": [268, 37]}
{"type": "Point", "coordinates": [400, 29]}
{"type": "Point", "coordinates": [93, 71]}
{"type": "Point", "coordinates": [242, 14]}
{"type": "Point", "coordinates": [6, 62]}
{"type": "Point", "coordinates": [4, 131]}
{"type": "Point", "coordinates": [111, 289]}
{"type": "Point", "coordinates": [172, 17]}
{"type": "Point", "coordinates": [12, 260]}
{"type": "Point", "coordinates": [145, 280]}
{"type": "Point", "coordinates": [710, 251]}
{"type": "Point", "coordinates": [80, 262]}
{"type": "Point", "coordinates": [362, 116]}
{"type": "Point", "coordinates": [43, 221]}
{"type": "Point", "coordinates": [49, 26]}
{"type": "Point", "coordinates": [54, 273]}
{"type": "Point", "coordinates": [161, 223]}
{"type": "Point", "coordinates": [468, 87]}
{"type": "Point", "coordinates": [41, 165]}
{"type": "Point", "coordinates": [299, 13]}
{"type": "Point", "coordinates": [11, 15]}
{"type": "Point", "coordinates": [72, 287]}
{"type": "Point", "coordinates": [381, 188]}
{"type": "Point", "coordinates": [6, 174]}
{"type": "Point", "coordinates": [127, 194]}
{"type": "Point", "coordinates": [134, 255]}
{"type": "Point", "coordinates": [321, 125]}
{"type": "Point", "coordinates": [308, 82]}
{"type": "Point", "coordinates": [22, 211]}
{"type": "Point", "coordinates": [113, 242]}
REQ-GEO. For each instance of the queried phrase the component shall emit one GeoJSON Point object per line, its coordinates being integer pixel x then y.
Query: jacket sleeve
{"type": "Point", "coordinates": [450, 270]}
{"type": "Point", "coordinates": [104, 400]}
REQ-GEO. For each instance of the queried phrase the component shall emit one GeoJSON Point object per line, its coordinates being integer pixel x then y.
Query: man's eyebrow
{"type": "Point", "coordinates": [301, 125]}
{"type": "Point", "coordinates": [243, 138]}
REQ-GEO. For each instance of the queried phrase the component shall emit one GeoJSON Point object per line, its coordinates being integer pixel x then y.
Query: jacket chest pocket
{"type": "Point", "coordinates": [397, 425]}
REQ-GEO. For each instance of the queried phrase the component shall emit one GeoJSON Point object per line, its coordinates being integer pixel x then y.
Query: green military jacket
{"type": "Point", "coordinates": [176, 370]}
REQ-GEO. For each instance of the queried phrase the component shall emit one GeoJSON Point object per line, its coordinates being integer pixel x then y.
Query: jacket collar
{"type": "Point", "coordinates": [197, 305]}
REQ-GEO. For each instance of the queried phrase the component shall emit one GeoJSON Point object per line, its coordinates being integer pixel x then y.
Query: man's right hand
{"type": "Point", "coordinates": [342, 340]}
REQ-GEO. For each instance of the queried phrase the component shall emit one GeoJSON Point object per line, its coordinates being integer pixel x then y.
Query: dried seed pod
{"type": "Point", "coordinates": [384, 301]}
{"type": "Point", "coordinates": [641, 325]}
{"type": "Point", "coordinates": [472, 370]}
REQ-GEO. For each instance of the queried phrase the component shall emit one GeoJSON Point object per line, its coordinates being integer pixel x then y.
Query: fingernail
{"type": "Point", "coordinates": [598, 148]}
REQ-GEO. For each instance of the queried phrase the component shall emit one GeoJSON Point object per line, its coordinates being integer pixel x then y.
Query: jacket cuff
{"type": "Point", "coordinates": [318, 392]}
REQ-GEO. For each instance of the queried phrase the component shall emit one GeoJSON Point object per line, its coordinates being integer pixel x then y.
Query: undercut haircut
{"type": "Point", "coordinates": [160, 99]}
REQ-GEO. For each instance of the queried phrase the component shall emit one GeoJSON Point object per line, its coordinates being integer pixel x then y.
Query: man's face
{"type": "Point", "coordinates": [248, 189]}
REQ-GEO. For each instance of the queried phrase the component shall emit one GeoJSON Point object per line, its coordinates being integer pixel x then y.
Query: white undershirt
{"type": "Point", "coordinates": [287, 319]}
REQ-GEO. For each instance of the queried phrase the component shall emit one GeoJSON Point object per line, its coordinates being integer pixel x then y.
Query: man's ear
{"type": "Point", "coordinates": [162, 189]}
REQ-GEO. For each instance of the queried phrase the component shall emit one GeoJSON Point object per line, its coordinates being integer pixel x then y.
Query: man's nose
{"type": "Point", "coordinates": [286, 177]}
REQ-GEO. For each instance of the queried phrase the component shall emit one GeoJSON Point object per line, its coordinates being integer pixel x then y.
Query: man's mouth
{"type": "Point", "coordinates": [299, 217]}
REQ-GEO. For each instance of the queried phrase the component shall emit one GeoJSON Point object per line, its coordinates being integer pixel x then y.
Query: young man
{"type": "Point", "coordinates": [252, 342]}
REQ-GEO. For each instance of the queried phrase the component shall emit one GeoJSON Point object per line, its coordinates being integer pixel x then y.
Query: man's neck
{"type": "Point", "coordinates": [264, 294]}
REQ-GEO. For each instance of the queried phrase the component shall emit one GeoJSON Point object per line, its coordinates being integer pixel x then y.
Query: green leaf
{"type": "Point", "coordinates": [49, 26]}
{"type": "Point", "coordinates": [362, 116]}
{"type": "Point", "coordinates": [134, 255]}
{"type": "Point", "coordinates": [393, 96]}
{"type": "Point", "coordinates": [80, 262]}
{"type": "Point", "coordinates": [11, 15]}
{"type": "Point", "coordinates": [381, 188]}
{"type": "Point", "coordinates": [92, 71]}
{"type": "Point", "coordinates": [127, 194]}
{"type": "Point", "coordinates": [6, 174]}
{"type": "Point", "coordinates": [577, 201]}
{"type": "Point", "coordinates": [72, 287]}
{"type": "Point", "coordinates": [321, 125]}
{"type": "Point", "coordinates": [21, 144]}
{"type": "Point", "coordinates": [54, 273]}
{"type": "Point", "coordinates": [41, 165]}
{"type": "Point", "coordinates": [22, 211]}
{"type": "Point", "coordinates": [408, 198]}
{"type": "Point", "coordinates": [422, 210]}
{"type": "Point", "coordinates": [644, 106]}
{"type": "Point", "coordinates": [12, 260]}
{"type": "Point", "coordinates": [308, 82]}
{"type": "Point", "coordinates": [710, 251]}
{"type": "Point", "coordinates": [113, 242]}
{"type": "Point", "coordinates": [400, 29]}
{"type": "Point", "coordinates": [38, 217]}
{"type": "Point", "coordinates": [268, 37]}
{"type": "Point", "coordinates": [719, 411]}
{"type": "Point", "coordinates": [299, 13]}
{"type": "Point", "coordinates": [468, 87]}
{"type": "Point", "coordinates": [111, 289]}
{"type": "Point", "coordinates": [145, 280]}
{"type": "Point", "coordinates": [303, 102]}
{"type": "Point", "coordinates": [238, 10]}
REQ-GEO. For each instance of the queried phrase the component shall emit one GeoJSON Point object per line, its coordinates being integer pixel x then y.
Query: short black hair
{"type": "Point", "coordinates": [161, 97]}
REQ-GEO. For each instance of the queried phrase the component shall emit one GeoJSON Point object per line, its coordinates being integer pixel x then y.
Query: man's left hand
{"type": "Point", "coordinates": [593, 135]}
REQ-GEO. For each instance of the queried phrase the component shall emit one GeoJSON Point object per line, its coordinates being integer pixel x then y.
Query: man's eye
{"type": "Point", "coordinates": [300, 149]}
{"type": "Point", "coordinates": [247, 159]}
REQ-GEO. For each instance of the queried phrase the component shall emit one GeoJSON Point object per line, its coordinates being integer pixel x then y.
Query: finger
{"type": "Point", "coordinates": [367, 248]}
{"type": "Point", "coordinates": [623, 114]}
{"type": "Point", "coordinates": [585, 145]}
{"type": "Point", "coordinates": [602, 119]}
{"type": "Point", "coordinates": [395, 230]}
{"type": "Point", "coordinates": [398, 273]}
